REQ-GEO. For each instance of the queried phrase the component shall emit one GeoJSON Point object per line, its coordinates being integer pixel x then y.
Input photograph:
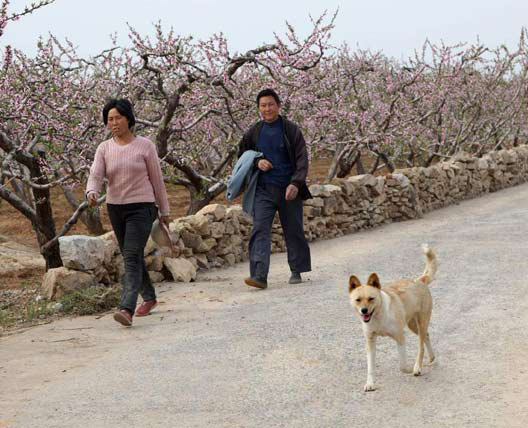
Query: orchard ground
{"type": "Point", "coordinates": [19, 291]}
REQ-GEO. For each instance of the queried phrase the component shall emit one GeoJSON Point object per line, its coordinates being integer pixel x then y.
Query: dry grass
{"type": "Point", "coordinates": [21, 301]}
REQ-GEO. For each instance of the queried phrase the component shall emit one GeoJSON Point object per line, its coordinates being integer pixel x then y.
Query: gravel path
{"type": "Point", "coordinates": [217, 354]}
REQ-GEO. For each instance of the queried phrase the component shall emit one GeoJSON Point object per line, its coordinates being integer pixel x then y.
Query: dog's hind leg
{"type": "Point", "coordinates": [429, 348]}
{"type": "Point", "coordinates": [422, 339]}
{"type": "Point", "coordinates": [371, 359]}
{"type": "Point", "coordinates": [426, 319]}
{"type": "Point", "coordinates": [402, 354]}
{"type": "Point", "coordinates": [412, 326]}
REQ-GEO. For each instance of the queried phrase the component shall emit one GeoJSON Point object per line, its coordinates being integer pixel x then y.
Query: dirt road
{"type": "Point", "coordinates": [216, 354]}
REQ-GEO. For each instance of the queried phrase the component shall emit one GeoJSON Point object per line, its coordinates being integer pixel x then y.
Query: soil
{"type": "Point", "coordinates": [19, 290]}
{"type": "Point", "coordinates": [17, 228]}
{"type": "Point", "coordinates": [216, 353]}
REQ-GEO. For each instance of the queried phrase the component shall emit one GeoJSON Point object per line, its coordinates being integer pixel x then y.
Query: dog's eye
{"type": "Point", "coordinates": [358, 300]}
{"type": "Point", "coordinates": [370, 299]}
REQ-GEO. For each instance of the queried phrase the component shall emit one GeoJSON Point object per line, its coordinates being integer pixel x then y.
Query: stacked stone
{"type": "Point", "coordinates": [214, 237]}
{"type": "Point", "coordinates": [87, 262]}
{"type": "Point", "coordinates": [218, 236]}
{"type": "Point", "coordinates": [464, 177]}
{"type": "Point", "coordinates": [507, 167]}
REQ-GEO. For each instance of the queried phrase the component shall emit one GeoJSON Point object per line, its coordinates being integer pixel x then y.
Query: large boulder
{"type": "Point", "coordinates": [364, 180]}
{"type": "Point", "coordinates": [216, 211]}
{"type": "Point", "coordinates": [181, 269]}
{"type": "Point", "coordinates": [217, 229]}
{"type": "Point", "coordinates": [82, 252]}
{"type": "Point", "coordinates": [200, 224]}
{"type": "Point", "coordinates": [236, 211]}
{"type": "Point", "coordinates": [154, 262]}
{"type": "Point", "coordinates": [60, 281]}
{"type": "Point", "coordinates": [111, 247]}
{"type": "Point", "coordinates": [156, 276]}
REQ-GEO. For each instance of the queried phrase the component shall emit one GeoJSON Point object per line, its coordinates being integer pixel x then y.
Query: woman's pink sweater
{"type": "Point", "coordinates": [133, 172]}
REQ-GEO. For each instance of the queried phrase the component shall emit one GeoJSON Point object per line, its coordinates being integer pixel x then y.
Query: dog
{"type": "Point", "coordinates": [386, 311]}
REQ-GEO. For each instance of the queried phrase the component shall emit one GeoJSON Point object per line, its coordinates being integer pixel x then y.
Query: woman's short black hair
{"type": "Point", "coordinates": [268, 93]}
{"type": "Point", "coordinates": [124, 107]}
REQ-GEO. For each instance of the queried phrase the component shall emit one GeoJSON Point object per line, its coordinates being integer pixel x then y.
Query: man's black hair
{"type": "Point", "coordinates": [124, 107]}
{"type": "Point", "coordinates": [268, 93]}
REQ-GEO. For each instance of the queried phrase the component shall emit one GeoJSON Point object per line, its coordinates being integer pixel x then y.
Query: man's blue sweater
{"type": "Point", "coordinates": [271, 144]}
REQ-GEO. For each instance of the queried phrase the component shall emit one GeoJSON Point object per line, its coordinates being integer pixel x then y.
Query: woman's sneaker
{"type": "Point", "coordinates": [145, 308]}
{"type": "Point", "coordinates": [123, 317]}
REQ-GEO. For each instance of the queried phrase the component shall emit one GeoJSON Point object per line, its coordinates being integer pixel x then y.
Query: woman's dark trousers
{"type": "Point", "coordinates": [132, 224]}
{"type": "Point", "coordinates": [268, 200]}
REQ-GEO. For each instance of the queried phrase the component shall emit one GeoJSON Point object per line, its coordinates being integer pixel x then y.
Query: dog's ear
{"type": "Point", "coordinates": [353, 282]}
{"type": "Point", "coordinates": [374, 281]}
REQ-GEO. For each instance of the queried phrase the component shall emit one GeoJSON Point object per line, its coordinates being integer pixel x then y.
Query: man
{"type": "Point", "coordinates": [281, 187]}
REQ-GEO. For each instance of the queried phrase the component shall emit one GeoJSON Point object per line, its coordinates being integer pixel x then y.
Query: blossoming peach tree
{"type": "Point", "coordinates": [193, 98]}
{"type": "Point", "coordinates": [443, 100]}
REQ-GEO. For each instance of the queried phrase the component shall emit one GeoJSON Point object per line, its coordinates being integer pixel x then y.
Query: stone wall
{"type": "Point", "coordinates": [218, 235]}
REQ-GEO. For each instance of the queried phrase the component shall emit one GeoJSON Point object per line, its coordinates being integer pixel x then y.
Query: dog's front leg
{"type": "Point", "coordinates": [371, 358]}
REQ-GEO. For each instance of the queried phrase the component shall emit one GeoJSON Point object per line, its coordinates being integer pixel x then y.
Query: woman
{"type": "Point", "coordinates": [135, 192]}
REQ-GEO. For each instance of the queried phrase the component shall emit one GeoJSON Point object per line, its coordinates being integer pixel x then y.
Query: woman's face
{"type": "Point", "coordinates": [117, 124]}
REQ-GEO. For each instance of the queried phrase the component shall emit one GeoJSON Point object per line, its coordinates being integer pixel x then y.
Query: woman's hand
{"type": "Point", "coordinates": [264, 165]}
{"type": "Point", "coordinates": [92, 199]}
{"type": "Point", "coordinates": [165, 219]}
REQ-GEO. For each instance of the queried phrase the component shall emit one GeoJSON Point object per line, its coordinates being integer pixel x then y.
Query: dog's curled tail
{"type": "Point", "coordinates": [430, 266]}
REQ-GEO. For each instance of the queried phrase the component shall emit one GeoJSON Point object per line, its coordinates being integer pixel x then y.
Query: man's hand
{"type": "Point", "coordinates": [92, 199]}
{"type": "Point", "coordinates": [291, 192]}
{"type": "Point", "coordinates": [264, 165]}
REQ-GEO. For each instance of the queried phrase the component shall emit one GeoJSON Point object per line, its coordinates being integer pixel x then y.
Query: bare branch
{"type": "Point", "coordinates": [70, 223]}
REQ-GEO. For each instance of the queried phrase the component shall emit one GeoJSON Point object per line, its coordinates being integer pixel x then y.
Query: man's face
{"type": "Point", "coordinates": [268, 108]}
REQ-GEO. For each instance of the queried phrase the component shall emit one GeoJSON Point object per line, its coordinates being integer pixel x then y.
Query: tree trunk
{"type": "Point", "coordinates": [347, 163]}
{"type": "Point", "coordinates": [332, 170]}
{"type": "Point", "coordinates": [359, 165]}
{"type": "Point", "coordinates": [23, 191]}
{"type": "Point", "coordinates": [52, 254]}
{"type": "Point", "coordinates": [386, 161]}
{"type": "Point", "coordinates": [197, 204]}
{"type": "Point", "coordinates": [45, 226]}
{"type": "Point", "coordinates": [200, 200]}
{"type": "Point", "coordinates": [374, 167]}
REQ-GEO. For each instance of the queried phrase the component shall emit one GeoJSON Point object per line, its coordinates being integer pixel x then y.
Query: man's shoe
{"type": "Point", "coordinates": [295, 278]}
{"type": "Point", "coordinates": [145, 308]}
{"type": "Point", "coordinates": [258, 283]}
{"type": "Point", "coordinates": [123, 317]}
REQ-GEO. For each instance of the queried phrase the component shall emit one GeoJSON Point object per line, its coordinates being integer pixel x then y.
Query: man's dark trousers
{"type": "Point", "coordinates": [132, 224]}
{"type": "Point", "coordinates": [268, 200]}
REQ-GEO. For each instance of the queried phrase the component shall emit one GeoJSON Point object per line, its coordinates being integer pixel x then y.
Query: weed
{"type": "Point", "coordinates": [26, 306]}
{"type": "Point", "coordinates": [37, 310]}
{"type": "Point", "coordinates": [91, 300]}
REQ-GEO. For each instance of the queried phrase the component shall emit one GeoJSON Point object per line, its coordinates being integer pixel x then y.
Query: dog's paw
{"type": "Point", "coordinates": [369, 387]}
{"type": "Point", "coordinates": [417, 371]}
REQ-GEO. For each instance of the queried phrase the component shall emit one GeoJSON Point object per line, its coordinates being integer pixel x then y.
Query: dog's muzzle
{"type": "Point", "coordinates": [365, 314]}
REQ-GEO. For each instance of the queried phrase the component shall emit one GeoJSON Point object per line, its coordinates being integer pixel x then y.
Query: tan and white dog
{"type": "Point", "coordinates": [386, 311]}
